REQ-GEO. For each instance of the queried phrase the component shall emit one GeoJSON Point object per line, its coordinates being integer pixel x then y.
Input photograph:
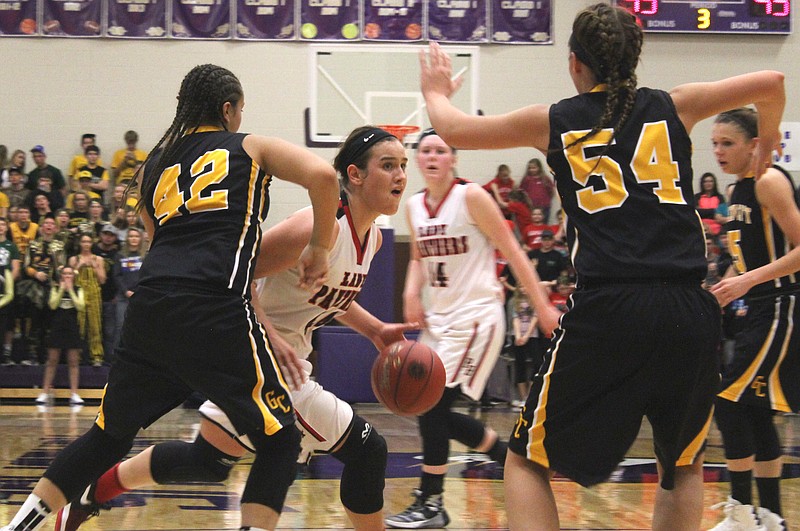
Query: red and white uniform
{"type": "Point", "coordinates": [461, 294]}
{"type": "Point", "coordinates": [295, 313]}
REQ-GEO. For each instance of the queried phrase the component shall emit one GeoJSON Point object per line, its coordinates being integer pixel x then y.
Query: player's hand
{"type": "Point", "coordinates": [729, 289]}
{"type": "Point", "coordinates": [392, 333]}
{"type": "Point", "coordinates": [290, 364]}
{"type": "Point", "coordinates": [436, 72]}
{"type": "Point", "coordinates": [768, 144]}
{"type": "Point", "coordinates": [313, 267]}
{"type": "Point", "coordinates": [548, 318]}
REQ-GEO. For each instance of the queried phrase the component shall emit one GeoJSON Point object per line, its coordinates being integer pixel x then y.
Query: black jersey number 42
{"type": "Point", "coordinates": [210, 168]}
{"type": "Point", "coordinates": [652, 163]}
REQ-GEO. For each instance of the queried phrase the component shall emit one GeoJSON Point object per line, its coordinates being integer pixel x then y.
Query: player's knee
{"type": "Point", "coordinates": [178, 462]}
{"type": "Point", "coordinates": [273, 469]}
{"type": "Point", "coordinates": [364, 455]}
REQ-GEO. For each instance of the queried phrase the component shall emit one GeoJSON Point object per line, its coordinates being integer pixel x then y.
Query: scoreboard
{"type": "Point", "coordinates": [726, 16]}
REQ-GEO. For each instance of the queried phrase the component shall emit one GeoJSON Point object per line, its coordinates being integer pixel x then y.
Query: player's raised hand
{"type": "Point", "coordinates": [766, 148]}
{"type": "Point", "coordinates": [436, 72]}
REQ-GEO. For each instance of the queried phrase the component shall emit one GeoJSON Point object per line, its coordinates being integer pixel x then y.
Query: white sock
{"type": "Point", "coordinates": [251, 528]}
{"type": "Point", "coordinates": [31, 516]}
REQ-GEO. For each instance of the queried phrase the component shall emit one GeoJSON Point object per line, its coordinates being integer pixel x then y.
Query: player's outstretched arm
{"type": "Point", "coordinates": [380, 333]}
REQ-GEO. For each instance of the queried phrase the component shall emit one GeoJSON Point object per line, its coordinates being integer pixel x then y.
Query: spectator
{"type": "Point", "coordinates": [539, 187]}
{"type": "Point", "coordinates": [59, 184]}
{"type": "Point", "coordinates": [97, 217]}
{"type": "Point", "coordinates": [107, 248]}
{"type": "Point", "coordinates": [4, 161]}
{"type": "Point", "coordinates": [519, 205]}
{"type": "Point", "coordinates": [126, 161]}
{"type": "Point", "coordinates": [65, 301]}
{"type": "Point", "coordinates": [17, 161]}
{"type": "Point", "coordinates": [120, 200]}
{"type": "Point", "coordinates": [708, 201]}
{"type": "Point", "coordinates": [16, 192]}
{"type": "Point", "coordinates": [45, 186]}
{"type": "Point", "coordinates": [23, 231]}
{"type": "Point", "coordinates": [550, 264]}
{"type": "Point", "coordinates": [42, 257]}
{"type": "Point", "coordinates": [526, 348]}
{"type": "Point", "coordinates": [63, 234]}
{"type": "Point", "coordinates": [126, 275]}
{"type": "Point", "coordinates": [533, 232]}
{"type": "Point", "coordinates": [500, 187]}
{"type": "Point", "coordinates": [84, 186]}
{"type": "Point", "coordinates": [79, 211]}
{"type": "Point", "coordinates": [91, 275]}
{"type": "Point", "coordinates": [41, 207]}
{"type": "Point", "coordinates": [79, 160]}
{"type": "Point", "coordinates": [99, 181]}
{"type": "Point", "coordinates": [10, 263]}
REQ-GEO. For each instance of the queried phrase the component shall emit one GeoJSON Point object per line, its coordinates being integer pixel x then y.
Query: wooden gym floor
{"type": "Point", "coordinates": [31, 435]}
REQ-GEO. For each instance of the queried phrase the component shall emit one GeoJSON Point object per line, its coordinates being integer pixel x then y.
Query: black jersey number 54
{"type": "Point", "coordinates": [652, 163]}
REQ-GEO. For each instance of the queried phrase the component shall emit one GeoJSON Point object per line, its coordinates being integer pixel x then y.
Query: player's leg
{"type": "Point", "coordinates": [530, 504]}
{"type": "Point", "coordinates": [364, 454]}
{"type": "Point", "coordinates": [681, 508]}
{"type": "Point", "coordinates": [768, 467]}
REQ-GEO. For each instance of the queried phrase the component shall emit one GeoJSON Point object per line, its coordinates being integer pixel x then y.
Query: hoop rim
{"type": "Point", "coordinates": [400, 131]}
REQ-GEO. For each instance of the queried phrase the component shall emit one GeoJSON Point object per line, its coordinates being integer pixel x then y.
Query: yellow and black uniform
{"type": "Point", "coordinates": [765, 370]}
{"type": "Point", "coordinates": [190, 325]}
{"type": "Point", "coordinates": [640, 337]}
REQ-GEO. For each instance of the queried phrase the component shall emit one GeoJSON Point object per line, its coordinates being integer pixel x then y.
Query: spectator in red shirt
{"type": "Point", "coordinates": [532, 235]}
{"type": "Point", "coordinates": [539, 187]}
{"type": "Point", "coordinates": [500, 187]}
{"type": "Point", "coordinates": [519, 205]}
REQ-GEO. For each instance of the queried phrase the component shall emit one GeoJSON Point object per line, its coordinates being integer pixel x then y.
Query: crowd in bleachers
{"type": "Point", "coordinates": [54, 227]}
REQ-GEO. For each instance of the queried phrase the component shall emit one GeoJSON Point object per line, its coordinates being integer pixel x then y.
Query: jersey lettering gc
{"type": "Point", "coordinates": [634, 196]}
{"type": "Point", "coordinates": [207, 210]}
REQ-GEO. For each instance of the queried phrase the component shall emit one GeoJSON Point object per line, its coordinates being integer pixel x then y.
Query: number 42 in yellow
{"type": "Point", "coordinates": [703, 18]}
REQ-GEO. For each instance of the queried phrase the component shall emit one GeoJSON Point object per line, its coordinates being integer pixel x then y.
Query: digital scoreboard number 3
{"type": "Point", "coordinates": [769, 17]}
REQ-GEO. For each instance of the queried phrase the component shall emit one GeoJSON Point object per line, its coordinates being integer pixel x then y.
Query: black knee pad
{"type": "Point", "coordinates": [181, 462]}
{"type": "Point", "coordinates": [363, 478]}
{"type": "Point", "coordinates": [768, 445]}
{"type": "Point", "coordinates": [85, 459]}
{"type": "Point", "coordinates": [274, 467]}
{"type": "Point", "coordinates": [733, 421]}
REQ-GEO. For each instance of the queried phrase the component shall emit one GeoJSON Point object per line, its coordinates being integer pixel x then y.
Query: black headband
{"type": "Point", "coordinates": [351, 153]}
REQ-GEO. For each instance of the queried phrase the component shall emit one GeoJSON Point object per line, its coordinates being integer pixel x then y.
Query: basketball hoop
{"type": "Point", "coordinates": [400, 131]}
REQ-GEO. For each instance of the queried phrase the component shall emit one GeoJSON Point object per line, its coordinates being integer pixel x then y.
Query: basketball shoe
{"type": "Point", "coordinates": [738, 517]}
{"type": "Point", "coordinates": [425, 513]}
{"type": "Point", "coordinates": [770, 520]}
{"type": "Point", "coordinates": [72, 515]}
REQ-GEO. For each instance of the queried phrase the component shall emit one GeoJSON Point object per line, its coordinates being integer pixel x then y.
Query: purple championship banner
{"type": "Point", "coordinates": [265, 20]}
{"type": "Point", "coordinates": [18, 17]}
{"type": "Point", "coordinates": [137, 19]}
{"type": "Point", "coordinates": [724, 16]}
{"type": "Point", "coordinates": [330, 20]}
{"type": "Point", "coordinates": [71, 18]}
{"type": "Point", "coordinates": [393, 20]}
{"type": "Point", "coordinates": [458, 21]}
{"type": "Point", "coordinates": [201, 19]}
{"type": "Point", "coordinates": [522, 22]}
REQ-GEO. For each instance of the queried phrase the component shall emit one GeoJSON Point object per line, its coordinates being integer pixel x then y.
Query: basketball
{"type": "Point", "coordinates": [408, 378]}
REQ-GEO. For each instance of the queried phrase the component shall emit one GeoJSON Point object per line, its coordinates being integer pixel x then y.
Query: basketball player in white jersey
{"type": "Point", "coordinates": [452, 287]}
{"type": "Point", "coordinates": [371, 164]}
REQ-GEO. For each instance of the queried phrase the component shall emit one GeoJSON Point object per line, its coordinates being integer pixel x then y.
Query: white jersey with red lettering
{"type": "Point", "coordinates": [294, 312]}
{"type": "Point", "coordinates": [461, 294]}
{"type": "Point", "coordinates": [458, 259]}
{"type": "Point", "coordinates": [323, 418]}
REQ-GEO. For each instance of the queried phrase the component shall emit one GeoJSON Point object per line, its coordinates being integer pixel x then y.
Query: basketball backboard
{"type": "Point", "coordinates": [358, 84]}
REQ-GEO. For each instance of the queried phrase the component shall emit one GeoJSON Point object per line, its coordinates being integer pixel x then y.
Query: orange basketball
{"type": "Point", "coordinates": [408, 378]}
{"type": "Point", "coordinates": [27, 26]}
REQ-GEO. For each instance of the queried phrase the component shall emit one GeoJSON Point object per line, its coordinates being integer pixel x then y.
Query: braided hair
{"type": "Point", "coordinates": [204, 90]}
{"type": "Point", "coordinates": [608, 40]}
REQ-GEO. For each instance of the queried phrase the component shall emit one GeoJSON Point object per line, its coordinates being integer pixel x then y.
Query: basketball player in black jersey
{"type": "Point", "coordinates": [190, 325]}
{"type": "Point", "coordinates": [640, 337]}
{"type": "Point", "coordinates": [764, 376]}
